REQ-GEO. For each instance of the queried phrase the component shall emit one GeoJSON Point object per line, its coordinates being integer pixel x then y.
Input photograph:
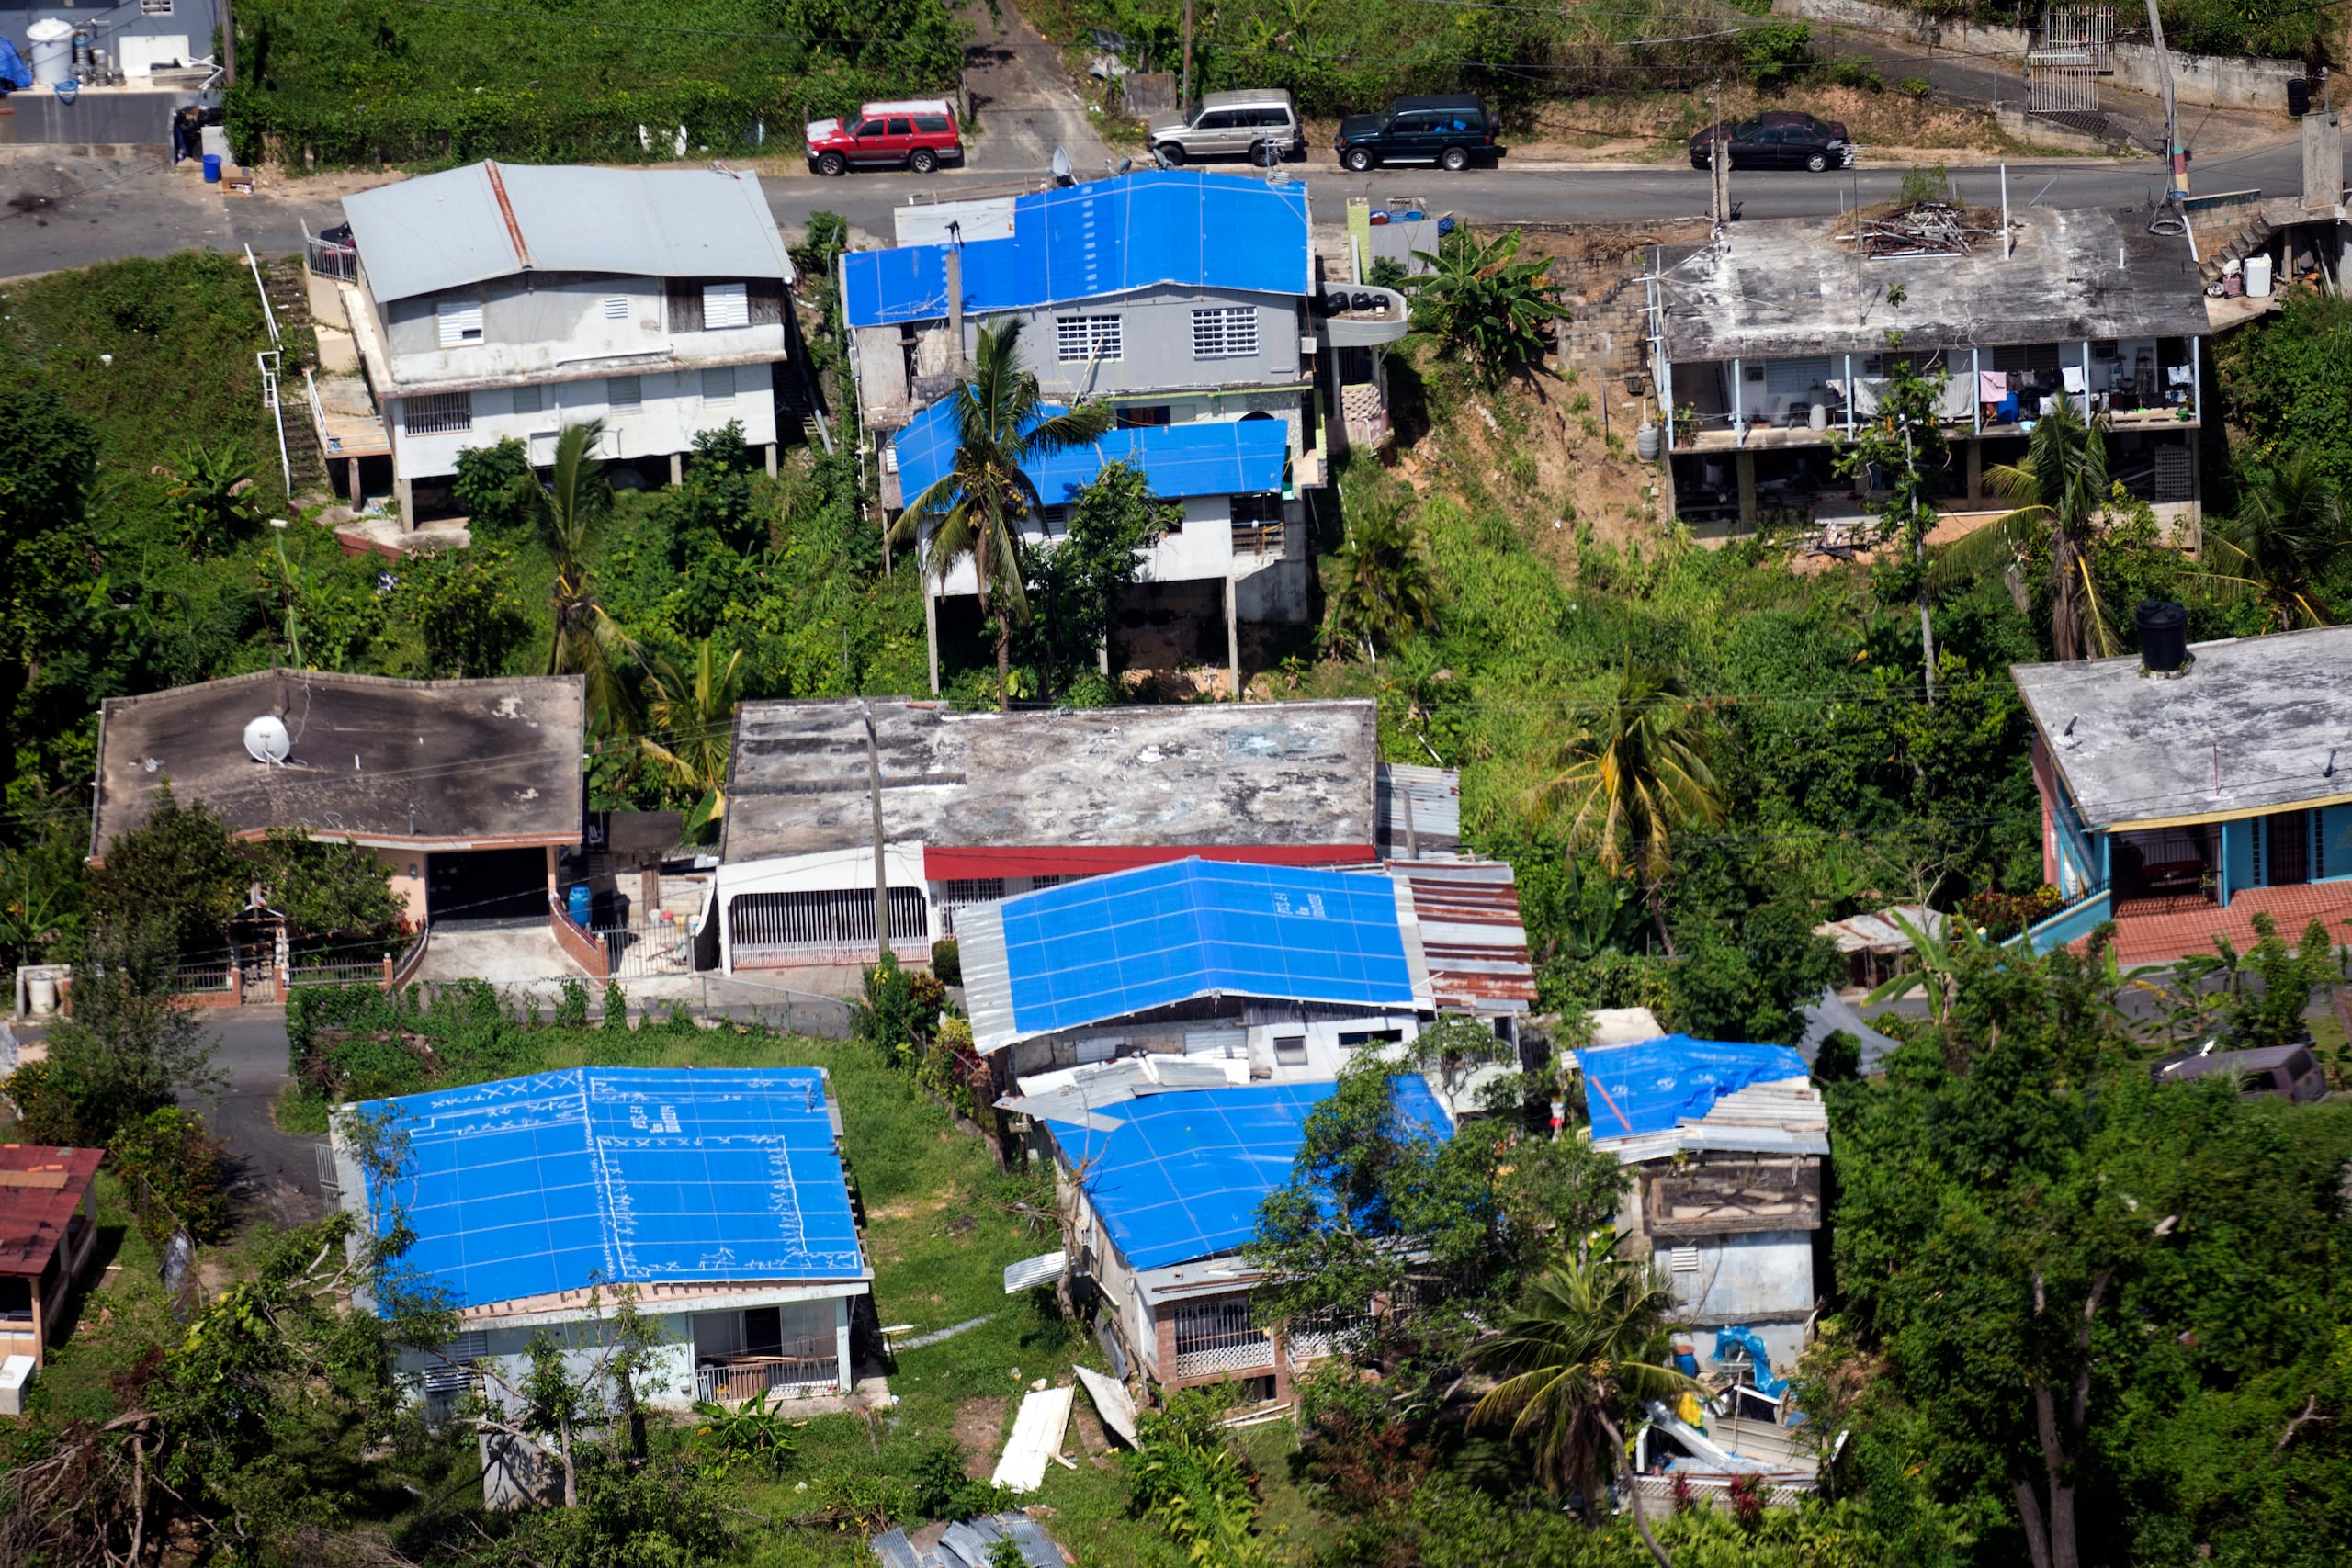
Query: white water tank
{"type": "Point", "coordinates": [52, 53]}
{"type": "Point", "coordinates": [2257, 275]}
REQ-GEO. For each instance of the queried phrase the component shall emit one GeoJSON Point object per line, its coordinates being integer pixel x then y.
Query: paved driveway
{"type": "Point", "coordinates": [278, 1173]}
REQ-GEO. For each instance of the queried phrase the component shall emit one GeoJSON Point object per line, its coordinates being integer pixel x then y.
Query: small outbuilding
{"type": "Point", "coordinates": [48, 1231]}
{"type": "Point", "coordinates": [719, 1196]}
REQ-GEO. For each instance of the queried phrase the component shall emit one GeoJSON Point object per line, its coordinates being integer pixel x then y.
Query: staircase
{"type": "Point", "coordinates": [794, 404]}
{"type": "Point", "coordinates": [290, 301]}
{"type": "Point", "coordinates": [2250, 237]}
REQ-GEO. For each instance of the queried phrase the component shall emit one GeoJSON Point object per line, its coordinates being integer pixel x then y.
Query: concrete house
{"type": "Point", "coordinates": [1184, 300]}
{"type": "Point", "coordinates": [503, 299]}
{"type": "Point", "coordinates": [1724, 1142]}
{"type": "Point", "coordinates": [719, 1195]}
{"type": "Point", "coordinates": [2181, 799]}
{"type": "Point", "coordinates": [465, 790]}
{"type": "Point", "coordinates": [978, 806]}
{"type": "Point", "coordinates": [1774, 341]}
{"type": "Point", "coordinates": [47, 1233]}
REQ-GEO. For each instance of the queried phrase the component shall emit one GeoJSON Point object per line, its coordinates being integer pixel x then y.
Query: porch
{"type": "Point", "coordinates": [2157, 930]}
{"type": "Point", "coordinates": [743, 1378]}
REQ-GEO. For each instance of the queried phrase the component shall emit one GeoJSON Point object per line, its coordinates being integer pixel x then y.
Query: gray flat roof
{"type": "Point", "coordinates": [489, 221]}
{"type": "Point", "coordinates": [1785, 288]}
{"type": "Point", "coordinates": [436, 763]}
{"type": "Point", "coordinates": [2268, 713]}
{"type": "Point", "coordinates": [1228, 774]}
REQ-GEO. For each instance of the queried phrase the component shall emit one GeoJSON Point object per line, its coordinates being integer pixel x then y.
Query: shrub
{"type": "Point", "coordinates": [183, 1167]}
{"type": "Point", "coordinates": [1915, 87]}
{"type": "Point", "coordinates": [497, 488]}
{"type": "Point", "coordinates": [2002, 915]}
{"type": "Point", "coordinates": [615, 1008]}
{"type": "Point", "coordinates": [941, 1490]}
{"type": "Point", "coordinates": [948, 962]}
{"type": "Point", "coordinates": [1854, 71]}
{"type": "Point", "coordinates": [1773, 54]}
{"type": "Point", "coordinates": [572, 1010]}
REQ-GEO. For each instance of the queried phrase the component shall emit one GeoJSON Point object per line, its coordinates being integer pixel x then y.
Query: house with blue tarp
{"type": "Point", "coordinates": [1164, 1184]}
{"type": "Point", "coordinates": [1185, 300]}
{"type": "Point", "coordinates": [1724, 1142]}
{"type": "Point", "coordinates": [718, 1196]}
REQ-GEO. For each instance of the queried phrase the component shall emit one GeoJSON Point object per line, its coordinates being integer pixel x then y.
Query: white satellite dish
{"type": "Point", "coordinates": [266, 741]}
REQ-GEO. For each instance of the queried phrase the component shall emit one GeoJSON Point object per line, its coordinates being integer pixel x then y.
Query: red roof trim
{"type": "Point", "coordinates": [944, 864]}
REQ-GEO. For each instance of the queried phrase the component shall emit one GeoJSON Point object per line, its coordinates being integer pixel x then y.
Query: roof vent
{"type": "Point", "coordinates": [266, 741]}
{"type": "Point", "coordinates": [2163, 637]}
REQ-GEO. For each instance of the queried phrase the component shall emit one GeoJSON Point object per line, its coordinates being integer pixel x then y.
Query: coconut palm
{"type": "Point", "coordinates": [1591, 1337]}
{"type": "Point", "coordinates": [1630, 776]}
{"type": "Point", "coordinates": [977, 507]}
{"type": "Point", "coordinates": [693, 711]}
{"type": "Point", "coordinates": [588, 642]}
{"type": "Point", "coordinates": [1381, 589]}
{"type": "Point", "coordinates": [2058, 491]}
{"type": "Point", "coordinates": [2288, 521]}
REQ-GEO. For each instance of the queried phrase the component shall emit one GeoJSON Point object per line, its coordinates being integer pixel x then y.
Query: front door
{"type": "Point", "coordinates": [2286, 848]}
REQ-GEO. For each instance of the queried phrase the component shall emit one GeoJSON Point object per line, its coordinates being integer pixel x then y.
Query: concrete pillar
{"type": "Point", "coordinates": [404, 493]}
{"type": "Point", "coordinates": [931, 633]}
{"type": "Point", "coordinates": [677, 468]}
{"type": "Point", "coordinates": [351, 466]}
{"type": "Point", "coordinates": [1232, 640]}
{"type": "Point", "coordinates": [2322, 160]}
{"type": "Point", "coordinates": [770, 450]}
{"type": "Point", "coordinates": [841, 1343]}
{"type": "Point", "coordinates": [1746, 463]}
{"type": "Point", "coordinates": [1976, 472]}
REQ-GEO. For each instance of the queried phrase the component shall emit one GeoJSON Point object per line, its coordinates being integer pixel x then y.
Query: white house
{"type": "Point", "coordinates": [504, 300]}
{"type": "Point", "coordinates": [718, 1196]}
{"type": "Point", "coordinates": [1185, 300]}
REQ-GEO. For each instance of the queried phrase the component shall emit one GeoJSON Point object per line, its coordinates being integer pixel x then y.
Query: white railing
{"type": "Point", "coordinates": [1249, 1358]}
{"type": "Point", "coordinates": [733, 1382]}
{"type": "Point", "coordinates": [270, 401]}
{"type": "Point", "coordinates": [319, 415]}
{"type": "Point", "coordinates": [268, 314]}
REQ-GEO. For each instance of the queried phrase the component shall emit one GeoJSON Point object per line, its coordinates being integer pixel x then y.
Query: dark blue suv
{"type": "Point", "coordinates": [1451, 130]}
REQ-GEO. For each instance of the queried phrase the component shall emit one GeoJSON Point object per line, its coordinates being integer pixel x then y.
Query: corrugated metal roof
{"type": "Point", "coordinates": [1473, 938]}
{"type": "Point", "coordinates": [1420, 810]}
{"type": "Point", "coordinates": [1879, 934]}
{"type": "Point", "coordinates": [489, 220]}
{"type": "Point", "coordinates": [1229, 456]}
{"type": "Point", "coordinates": [1042, 1269]}
{"type": "Point", "coordinates": [1112, 236]}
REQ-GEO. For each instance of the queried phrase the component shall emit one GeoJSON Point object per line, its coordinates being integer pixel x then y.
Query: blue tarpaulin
{"type": "Point", "coordinates": [1184, 1174]}
{"type": "Point", "coordinates": [13, 72]}
{"type": "Point", "coordinates": [1113, 945]}
{"type": "Point", "coordinates": [1657, 1084]}
{"type": "Point", "coordinates": [1204, 457]}
{"type": "Point", "coordinates": [528, 1185]}
{"type": "Point", "coordinates": [1111, 236]}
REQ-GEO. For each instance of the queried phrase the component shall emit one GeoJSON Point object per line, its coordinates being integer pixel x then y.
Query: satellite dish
{"type": "Point", "coordinates": [1061, 167]}
{"type": "Point", "coordinates": [266, 741]}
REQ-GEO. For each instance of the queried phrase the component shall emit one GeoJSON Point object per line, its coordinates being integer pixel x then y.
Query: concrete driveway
{"type": "Point", "coordinates": [278, 1174]}
{"type": "Point", "coordinates": [1023, 101]}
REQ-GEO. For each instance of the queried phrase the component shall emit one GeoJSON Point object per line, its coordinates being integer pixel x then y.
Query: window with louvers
{"type": "Point", "coordinates": [1225, 334]}
{"type": "Point", "coordinates": [724, 305]}
{"type": "Point", "coordinates": [437, 415]}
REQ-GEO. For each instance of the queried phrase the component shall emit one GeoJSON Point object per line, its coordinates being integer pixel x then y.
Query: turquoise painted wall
{"type": "Point", "coordinates": [2237, 854]}
{"type": "Point", "coordinates": [2336, 840]}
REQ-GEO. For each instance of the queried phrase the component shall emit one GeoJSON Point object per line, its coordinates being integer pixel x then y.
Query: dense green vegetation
{"type": "Point", "coordinates": [2279, 29]}
{"type": "Point", "coordinates": [351, 82]}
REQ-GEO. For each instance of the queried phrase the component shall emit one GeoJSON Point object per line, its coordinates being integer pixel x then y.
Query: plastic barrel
{"type": "Point", "coordinates": [578, 903]}
{"type": "Point", "coordinates": [212, 168]}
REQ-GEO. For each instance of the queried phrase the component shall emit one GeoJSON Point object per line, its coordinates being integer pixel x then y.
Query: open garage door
{"type": "Point", "coordinates": [500, 886]}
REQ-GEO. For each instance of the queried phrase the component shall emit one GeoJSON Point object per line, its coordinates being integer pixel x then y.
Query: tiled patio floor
{"type": "Point", "coordinates": [2158, 938]}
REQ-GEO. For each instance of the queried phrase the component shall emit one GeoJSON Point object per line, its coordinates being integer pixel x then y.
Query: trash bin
{"type": "Point", "coordinates": [577, 904]}
{"type": "Point", "coordinates": [212, 168]}
{"type": "Point", "coordinates": [2299, 95]}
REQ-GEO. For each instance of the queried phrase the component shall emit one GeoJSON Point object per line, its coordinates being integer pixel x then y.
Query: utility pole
{"type": "Point", "coordinates": [2175, 156]}
{"type": "Point", "coordinates": [1719, 168]}
{"type": "Point", "coordinates": [1185, 92]}
{"type": "Point", "coordinates": [881, 869]}
{"type": "Point", "coordinates": [1918, 542]}
{"type": "Point", "coordinates": [228, 47]}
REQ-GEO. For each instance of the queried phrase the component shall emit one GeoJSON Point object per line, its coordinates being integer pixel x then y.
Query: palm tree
{"type": "Point", "coordinates": [977, 507]}
{"type": "Point", "coordinates": [587, 642]}
{"type": "Point", "coordinates": [2058, 491]}
{"type": "Point", "coordinates": [1381, 589]}
{"type": "Point", "coordinates": [1591, 1336]}
{"type": "Point", "coordinates": [694, 710]}
{"type": "Point", "coordinates": [2288, 521]}
{"type": "Point", "coordinates": [1630, 775]}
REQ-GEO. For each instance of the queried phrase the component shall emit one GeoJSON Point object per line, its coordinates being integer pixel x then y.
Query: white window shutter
{"type": "Point", "coordinates": [624, 394]}
{"type": "Point", "coordinates": [460, 322]}
{"type": "Point", "coordinates": [718, 385]}
{"type": "Point", "coordinates": [726, 304]}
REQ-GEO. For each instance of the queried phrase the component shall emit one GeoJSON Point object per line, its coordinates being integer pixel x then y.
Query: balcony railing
{"type": "Point", "coordinates": [736, 1381]}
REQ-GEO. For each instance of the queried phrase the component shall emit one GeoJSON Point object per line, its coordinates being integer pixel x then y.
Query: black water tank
{"type": "Point", "coordinates": [2164, 635]}
{"type": "Point", "coordinates": [2299, 95]}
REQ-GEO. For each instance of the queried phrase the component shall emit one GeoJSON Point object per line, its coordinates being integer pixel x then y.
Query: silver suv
{"type": "Point", "coordinates": [1259, 125]}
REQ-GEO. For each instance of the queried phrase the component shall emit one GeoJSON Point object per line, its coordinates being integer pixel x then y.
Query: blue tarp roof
{"type": "Point", "coordinates": [1113, 945]}
{"type": "Point", "coordinates": [1173, 226]}
{"type": "Point", "coordinates": [1204, 457]}
{"type": "Point", "coordinates": [533, 1185]}
{"type": "Point", "coordinates": [1183, 1176]}
{"type": "Point", "coordinates": [1657, 1084]}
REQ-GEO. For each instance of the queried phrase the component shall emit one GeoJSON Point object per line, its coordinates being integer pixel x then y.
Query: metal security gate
{"type": "Point", "coordinates": [635, 951]}
{"type": "Point", "coordinates": [778, 927]}
{"type": "Point", "coordinates": [2063, 68]}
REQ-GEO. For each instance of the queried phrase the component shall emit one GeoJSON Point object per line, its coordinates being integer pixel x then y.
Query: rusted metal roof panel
{"type": "Point", "coordinates": [1473, 937]}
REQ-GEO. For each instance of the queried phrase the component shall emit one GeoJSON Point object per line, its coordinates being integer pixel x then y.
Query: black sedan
{"type": "Point", "coordinates": [1782, 139]}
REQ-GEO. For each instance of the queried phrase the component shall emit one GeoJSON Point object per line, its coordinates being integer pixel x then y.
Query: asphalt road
{"type": "Point", "coordinates": [278, 1173]}
{"type": "Point", "coordinates": [72, 211]}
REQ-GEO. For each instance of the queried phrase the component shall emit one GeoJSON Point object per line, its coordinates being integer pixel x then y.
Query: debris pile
{"type": "Point", "coordinates": [1922, 229]}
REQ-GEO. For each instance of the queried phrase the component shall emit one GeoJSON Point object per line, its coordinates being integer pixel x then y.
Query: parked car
{"type": "Point", "coordinates": [2289, 1071]}
{"type": "Point", "coordinates": [1232, 125]}
{"type": "Point", "coordinates": [1780, 139]}
{"type": "Point", "coordinates": [1451, 130]}
{"type": "Point", "coordinates": [914, 133]}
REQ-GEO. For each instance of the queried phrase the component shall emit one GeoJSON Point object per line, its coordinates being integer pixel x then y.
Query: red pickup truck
{"type": "Point", "coordinates": [911, 133]}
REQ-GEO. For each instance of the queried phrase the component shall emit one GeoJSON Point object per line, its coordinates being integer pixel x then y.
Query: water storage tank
{"type": "Point", "coordinates": [52, 58]}
{"type": "Point", "coordinates": [2164, 635]}
{"type": "Point", "coordinates": [2257, 275]}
